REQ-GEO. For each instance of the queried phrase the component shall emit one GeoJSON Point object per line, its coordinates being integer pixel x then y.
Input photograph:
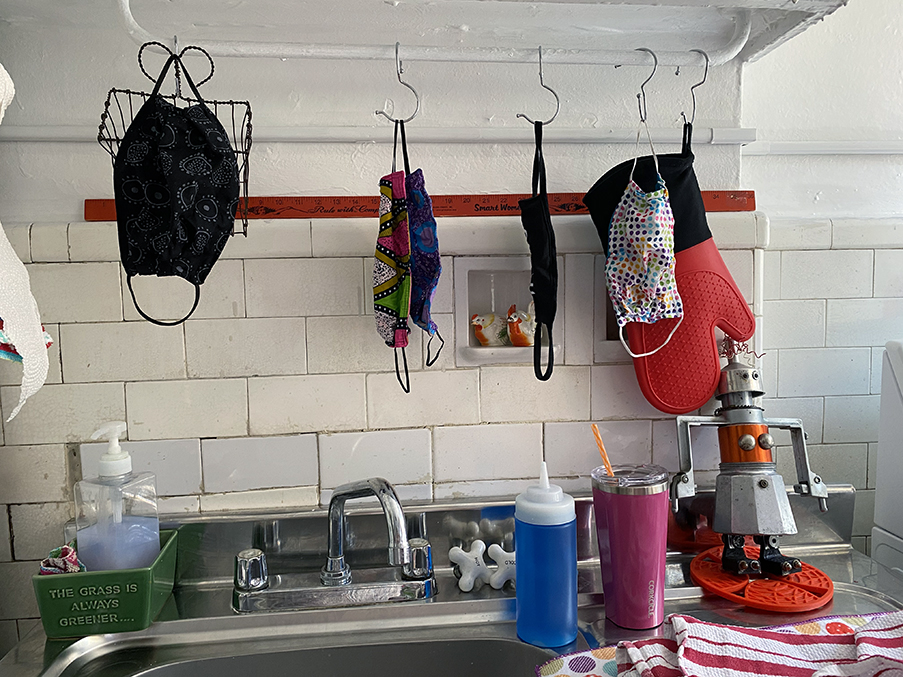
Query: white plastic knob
{"type": "Point", "coordinates": [471, 565]}
{"type": "Point", "coordinates": [506, 570]}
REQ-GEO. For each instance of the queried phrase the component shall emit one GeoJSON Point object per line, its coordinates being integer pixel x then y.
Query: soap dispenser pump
{"type": "Point", "coordinates": [116, 512]}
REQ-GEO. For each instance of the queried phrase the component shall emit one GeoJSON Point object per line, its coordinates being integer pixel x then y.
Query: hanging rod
{"type": "Point", "coordinates": [288, 50]}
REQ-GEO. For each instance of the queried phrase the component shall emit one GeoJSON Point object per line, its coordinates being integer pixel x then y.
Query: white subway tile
{"type": "Point", "coordinates": [436, 398]}
{"type": "Point", "coordinates": [481, 489]}
{"type": "Point", "coordinates": [94, 241]}
{"type": "Point", "coordinates": [446, 358]}
{"type": "Point", "coordinates": [176, 463]}
{"type": "Point", "coordinates": [864, 512]}
{"type": "Point", "coordinates": [170, 298]}
{"type": "Point", "coordinates": [877, 366]}
{"type": "Point", "coordinates": [49, 243]}
{"type": "Point", "coordinates": [271, 238]}
{"type": "Point", "coordinates": [616, 394]}
{"type": "Point", "coordinates": [835, 463]}
{"type": "Point", "coordinates": [37, 528]}
{"type": "Point", "coordinates": [348, 237]}
{"type": "Point", "coordinates": [515, 394]}
{"type": "Point", "coordinates": [852, 419]}
{"type": "Point", "coordinates": [9, 636]}
{"type": "Point", "coordinates": [579, 303]}
{"type": "Point", "coordinates": [570, 448]}
{"type": "Point", "coordinates": [293, 404]}
{"type": "Point", "coordinates": [872, 466]}
{"type": "Point", "coordinates": [264, 499]}
{"type": "Point", "coordinates": [772, 273]}
{"type": "Point", "coordinates": [575, 234]}
{"type": "Point", "coordinates": [703, 442]}
{"type": "Point", "coordinates": [824, 371]}
{"type": "Point", "coordinates": [864, 322]}
{"type": "Point", "coordinates": [734, 230]}
{"type": "Point", "coordinates": [17, 598]}
{"type": "Point", "coordinates": [243, 463]}
{"type": "Point", "coordinates": [793, 324]}
{"type": "Point", "coordinates": [6, 553]}
{"type": "Point", "coordinates": [444, 296]}
{"type": "Point", "coordinates": [407, 493]}
{"type": "Point", "coordinates": [799, 234]}
{"type": "Point", "coordinates": [768, 372]}
{"type": "Point", "coordinates": [293, 287]}
{"type": "Point", "coordinates": [178, 505]}
{"type": "Point", "coordinates": [826, 274]}
{"type": "Point", "coordinates": [76, 292]}
{"type": "Point", "coordinates": [19, 236]}
{"type": "Point", "coordinates": [61, 413]}
{"type": "Point", "coordinates": [400, 456]}
{"type": "Point", "coordinates": [120, 351]}
{"type": "Point", "coordinates": [487, 452]}
{"type": "Point", "coordinates": [246, 347]}
{"type": "Point", "coordinates": [351, 344]}
{"type": "Point", "coordinates": [482, 235]}
{"type": "Point", "coordinates": [889, 273]}
{"type": "Point", "coordinates": [11, 372]}
{"type": "Point", "coordinates": [26, 625]}
{"type": "Point", "coordinates": [33, 474]}
{"type": "Point", "coordinates": [740, 266]}
{"type": "Point", "coordinates": [810, 410]}
{"type": "Point", "coordinates": [867, 233]}
{"type": "Point", "coordinates": [178, 409]}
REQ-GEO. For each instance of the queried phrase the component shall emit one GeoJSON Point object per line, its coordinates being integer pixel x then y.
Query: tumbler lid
{"type": "Point", "coordinates": [631, 479]}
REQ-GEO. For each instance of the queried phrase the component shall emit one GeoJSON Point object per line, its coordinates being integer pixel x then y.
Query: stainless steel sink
{"type": "Point", "coordinates": [198, 634]}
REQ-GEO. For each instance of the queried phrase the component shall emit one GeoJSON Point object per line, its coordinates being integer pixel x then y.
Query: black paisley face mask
{"type": "Point", "coordinates": [175, 180]}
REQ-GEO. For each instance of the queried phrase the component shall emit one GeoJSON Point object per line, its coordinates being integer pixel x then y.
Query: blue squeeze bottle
{"type": "Point", "coordinates": [545, 540]}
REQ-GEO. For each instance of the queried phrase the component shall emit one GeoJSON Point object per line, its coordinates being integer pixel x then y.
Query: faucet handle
{"type": "Point", "coordinates": [420, 566]}
{"type": "Point", "coordinates": [251, 570]}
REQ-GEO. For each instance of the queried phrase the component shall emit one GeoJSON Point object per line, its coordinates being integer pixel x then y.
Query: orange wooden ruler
{"type": "Point", "coordinates": [344, 206]}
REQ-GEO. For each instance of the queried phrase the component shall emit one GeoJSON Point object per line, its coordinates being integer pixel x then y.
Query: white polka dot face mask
{"type": "Point", "coordinates": [640, 265]}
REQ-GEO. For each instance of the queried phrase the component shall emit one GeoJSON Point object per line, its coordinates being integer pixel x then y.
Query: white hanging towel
{"type": "Point", "coordinates": [18, 309]}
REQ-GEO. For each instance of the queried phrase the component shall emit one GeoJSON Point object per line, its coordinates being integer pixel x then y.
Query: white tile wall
{"type": "Point", "coordinates": [805, 274]}
{"type": "Point", "coordinates": [872, 466]}
{"type": "Point", "coordinates": [295, 287]}
{"type": "Point", "coordinates": [120, 351]}
{"type": "Point", "coordinates": [483, 236]}
{"type": "Point", "coordinates": [486, 452]}
{"type": "Point", "coordinates": [93, 241]}
{"type": "Point", "coordinates": [19, 236]}
{"type": "Point", "coordinates": [18, 599]}
{"type": "Point", "coordinates": [170, 298]}
{"type": "Point", "coordinates": [772, 273]}
{"type": "Point", "coordinates": [481, 489]}
{"type": "Point", "coordinates": [264, 499]}
{"type": "Point", "coordinates": [407, 493]}
{"type": "Point", "coordinates": [515, 394]}
{"type": "Point", "coordinates": [889, 273]}
{"type": "Point", "coordinates": [62, 413]}
{"type": "Point", "coordinates": [799, 234]}
{"type": "Point", "coordinates": [246, 347]}
{"type": "Point", "coordinates": [9, 635]}
{"type": "Point", "coordinates": [177, 409]}
{"type": "Point", "coordinates": [810, 410]}
{"type": "Point", "coordinates": [352, 344]}
{"type": "Point", "coordinates": [579, 270]}
{"type": "Point", "coordinates": [49, 243]}
{"type": "Point", "coordinates": [291, 404]}
{"type": "Point", "coordinates": [867, 233]}
{"type": "Point", "coordinates": [703, 441]}
{"type": "Point", "coordinates": [271, 238]}
{"type": "Point", "coordinates": [570, 448]}
{"type": "Point", "coordinates": [446, 359]}
{"type": "Point", "coordinates": [347, 237]}
{"type": "Point", "coordinates": [32, 474]}
{"type": "Point", "coordinates": [436, 398]}
{"type": "Point", "coordinates": [852, 419]}
{"type": "Point", "coordinates": [76, 292]}
{"type": "Point", "coordinates": [400, 456]}
{"type": "Point", "coordinates": [824, 371]}
{"type": "Point", "coordinates": [877, 366]}
{"type": "Point", "coordinates": [864, 322]}
{"type": "Point", "coordinates": [835, 463]}
{"type": "Point", "coordinates": [794, 324]}
{"type": "Point", "coordinates": [6, 553]}
{"type": "Point", "coordinates": [735, 230]}
{"type": "Point", "coordinates": [37, 528]}
{"type": "Point", "coordinates": [616, 394]}
{"type": "Point", "coordinates": [864, 513]}
{"type": "Point", "coordinates": [174, 505]}
{"type": "Point", "coordinates": [244, 463]}
{"type": "Point", "coordinates": [176, 463]}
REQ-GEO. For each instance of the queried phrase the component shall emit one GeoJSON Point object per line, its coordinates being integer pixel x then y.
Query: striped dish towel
{"type": "Point", "coordinates": [850, 646]}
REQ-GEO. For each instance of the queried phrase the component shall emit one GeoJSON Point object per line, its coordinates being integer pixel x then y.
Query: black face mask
{"type": "Point", "coordinates": [543, 262]}
{"type": "Point", "coordinates": [175, 179]}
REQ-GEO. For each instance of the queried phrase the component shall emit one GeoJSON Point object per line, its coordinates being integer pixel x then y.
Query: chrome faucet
{"type": "Point", "coordinates": [336, 571]}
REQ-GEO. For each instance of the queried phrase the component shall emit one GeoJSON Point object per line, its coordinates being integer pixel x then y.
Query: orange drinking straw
{"type": "Point", "coordinates": [602, 451]}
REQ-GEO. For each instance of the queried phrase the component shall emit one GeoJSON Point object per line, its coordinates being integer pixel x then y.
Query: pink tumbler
{"type": "Point", "coordinates": [631, 511]}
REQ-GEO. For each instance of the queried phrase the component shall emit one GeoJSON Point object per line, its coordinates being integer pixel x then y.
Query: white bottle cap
{"type": "Point", "coordinates": [116, 461]}
{"type": "Point", "coordinates": [544, 504]}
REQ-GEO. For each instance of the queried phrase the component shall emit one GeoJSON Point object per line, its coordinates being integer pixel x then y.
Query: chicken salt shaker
{"type": "Point", "coordinates": [490, 329]}
{"type": "Point", "coordinates": [521, 326]}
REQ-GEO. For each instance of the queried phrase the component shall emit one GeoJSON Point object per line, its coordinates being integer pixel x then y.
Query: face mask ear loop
{"type": "Point", "coordinates": [537, 354]}
{"type": "Point", "coordinates": [404, 149]}
{"type": "Point", "coordinates": [430, 362]}
{"type": "Point", "coordinates": [197, 297]}
{"type": "Point", "coordinates": [636, 151]}
{"type": "Point", "coordinates": [651, 352]}
{"type": "Point", "coordinates": [406, 384]}
{"type": "Point", "coordinates": [395, 146]}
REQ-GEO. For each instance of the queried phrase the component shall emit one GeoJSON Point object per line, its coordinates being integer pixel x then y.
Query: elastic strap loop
{"type": "Point", "coordinates": [197, 297]}
{"type": "Point", "coordinates": [537, 353]}
{"type": "Point", "coordinates": [404, 149]}
{"type": "Point", "coordinates": [687, 141]}
{"type": "Point", "coordinates": [431, 362]}
{"type": "Point", "coordinates": [637, 149]}
{"type": "Point", "coordinates": [539, 164]}
{"type": "Point", "coordinates": [651, 352]}
{"type": "Point", "coordinates": [406, 384]}
{"type": "Point", "coordinates": [395, 146]}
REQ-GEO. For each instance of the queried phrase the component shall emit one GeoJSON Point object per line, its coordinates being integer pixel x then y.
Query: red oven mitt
{"type": "Point", "coordinates": [684, 374]}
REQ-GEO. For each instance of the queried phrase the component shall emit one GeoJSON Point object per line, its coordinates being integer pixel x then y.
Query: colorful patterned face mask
{"type": "Point", "coordinates": [640, 265]}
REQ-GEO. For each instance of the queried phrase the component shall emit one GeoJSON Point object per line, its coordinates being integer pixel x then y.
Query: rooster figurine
{"type": "Point", "coordinates": [490, 329]}
{"type": "Point", "coordinates": [521, 326]}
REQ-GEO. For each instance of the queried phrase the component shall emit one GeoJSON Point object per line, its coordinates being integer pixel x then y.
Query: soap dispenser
{"type": "Point", "coordinates": [116, 512]}
{"type": "Point", "coordinates": [545, 540]}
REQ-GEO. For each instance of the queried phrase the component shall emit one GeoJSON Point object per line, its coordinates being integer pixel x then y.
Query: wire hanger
{"type": "Point", "coordinates": [705, 77]}
{"type": "Point", "coordinates": [641, 97]}
{"type": "Point", "coordinates": [399, 70]}
{"type": "Point", "coordinates": [545, 86]}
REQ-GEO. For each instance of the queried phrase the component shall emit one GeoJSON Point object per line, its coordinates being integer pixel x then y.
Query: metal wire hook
{"type": "Point", "coordinates": [399, 70]}
{"type": "Point", "coordinates": [705, 76]}
{"type": "Point", "coordinates": [544, 86]}
{"type": "Point", "coordinates": [641, 97]}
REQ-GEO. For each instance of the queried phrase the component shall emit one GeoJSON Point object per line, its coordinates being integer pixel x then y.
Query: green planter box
{"type": "Point", "coordinates": [96, 602]}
